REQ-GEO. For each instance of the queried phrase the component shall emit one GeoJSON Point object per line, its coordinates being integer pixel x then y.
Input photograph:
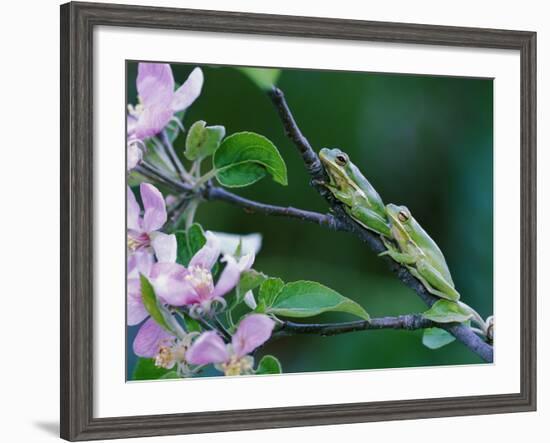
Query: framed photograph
{"type": "Point", "coordinates": [272, 221]}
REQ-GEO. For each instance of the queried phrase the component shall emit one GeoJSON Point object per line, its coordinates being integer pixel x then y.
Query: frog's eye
{"type": "Point", "coordinates": [403, 216]}
{"type": "Point", "coordinates": [342, 159]}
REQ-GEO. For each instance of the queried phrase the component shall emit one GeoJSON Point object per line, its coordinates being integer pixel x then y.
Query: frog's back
{"type": "Point", "coordinates": [374, 199]}
{"type": "Point", "coordinates": [432, 251]}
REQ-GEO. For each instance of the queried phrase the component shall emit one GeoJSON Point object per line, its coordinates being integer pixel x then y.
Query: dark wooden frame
{"type": "Point", "coordinates": [77, 24]}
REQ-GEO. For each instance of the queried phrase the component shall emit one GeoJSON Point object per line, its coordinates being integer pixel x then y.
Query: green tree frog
{"type": "Point", "coordinates": [349, 186]}
{"type": "Point", "coordinates": [419, 253]}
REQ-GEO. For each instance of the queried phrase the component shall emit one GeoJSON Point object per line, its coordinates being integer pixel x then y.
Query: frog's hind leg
{"type": "Point", "coordinates": [425, 283]}
{"type": "Point", "coordinates": [431, 278]}
{"type": "Point", "coordinates": [370, 219]}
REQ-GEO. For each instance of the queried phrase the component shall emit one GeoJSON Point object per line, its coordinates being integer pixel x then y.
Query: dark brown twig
{"type": "Point", "coordinates": [215, 193]}
{"type": "Point", "coordinates": [409, 322]}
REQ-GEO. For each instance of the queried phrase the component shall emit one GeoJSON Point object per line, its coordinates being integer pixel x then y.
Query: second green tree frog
{"type": "Point", "coordinates": [349, 186]}
{"type": "Point", "coordinates": [419, 253]}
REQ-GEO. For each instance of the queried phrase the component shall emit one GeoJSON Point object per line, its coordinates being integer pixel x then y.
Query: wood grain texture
{"type": "Point", "coordinates": [77, 23]}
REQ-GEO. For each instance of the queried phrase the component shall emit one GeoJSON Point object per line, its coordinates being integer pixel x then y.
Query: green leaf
{"type": "Point", "coordinates": [446, 311]}
{"type": "Point", "coordinates": [189, 242]}
{"type": "Point", "coordinates": [195, 238]}
{"type": "Point", "coordinates": [153, 306]}
{"type": "Point", "coordinates": [239, 249]}
{"type": "Point", "coordinates": [183, 256]}
{"type": "Point", "coordinates": [241, 174]}
{"type": "Point", "coordinates": [250, 279]}
{"type": "Point", "coordinates": [202, 140]}
{"type": "Point", "coordinates": [245, 157]}
{"type": "Point", "coordinates": [308, 298]}
{"type": "Point", "coordinates": [435, 338]}
{"type": "Point", "coordinates": [145, 369]}
{"type": "Point", "coordinates": [269, 365]}
{"type": "Point", "coordinates": [269, 290]}
{"type": "Point", "coordinates": [191, 325]}
{"type": "Point", "coordinates": [263, 78]}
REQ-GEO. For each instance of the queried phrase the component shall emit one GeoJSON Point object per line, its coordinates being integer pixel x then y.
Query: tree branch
{"type": "Point", "coordinates": [212, 193]}
{"type": "Point", "coordinates": [155, 174]}
{"type": "Point", "coordinates": [311, 160]}
{"type": "Point", "coordinates": [313, 165]}
{"type": "Point", "coordinates": [215, 193]}
{"type": "Point", "coordinates": [408, 322]}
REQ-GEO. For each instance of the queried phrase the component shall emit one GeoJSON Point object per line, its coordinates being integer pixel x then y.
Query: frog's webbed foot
{"type": "Point", "coordinates": [389, 247]}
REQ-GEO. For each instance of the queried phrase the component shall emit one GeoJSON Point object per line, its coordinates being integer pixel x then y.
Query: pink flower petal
{"type": "Point", "coordinates": [253, 331]}
{"type": "Point", "coordinates": [149, 339]}
{"type": "Point", "coordinates": [229, 278]}
{"type": "Point", "coordinates": [152, 120]}
{"type": "Point", "coordinates": [134, 156]}
{"type": "Point", "coordinates": [168, 280]}
{"type": "Point", "coordinates": [165, 246]}
{"type": "Point", "coordinates": [133, 221]}
{"type": "Point", "coordinates": [155, 84]}
{"type": "Point", "coordinates": [208, 348]}
{"type": "Point", "coordinates": [208, 254]}
{"type": "Point", "coordinates": [154, 206]}
{"type": "Point", "coordinates": [189, 91]}
{"type": "Point", "coordinates": [131, 122]}
{"type": "Point", "coordinates": [136, 312]}
{"type": "Point", "coordinates": [139, 262]}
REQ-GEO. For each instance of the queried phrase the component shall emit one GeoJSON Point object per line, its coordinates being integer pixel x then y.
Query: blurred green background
{"type": "Point", "coordinates": [422, 141]}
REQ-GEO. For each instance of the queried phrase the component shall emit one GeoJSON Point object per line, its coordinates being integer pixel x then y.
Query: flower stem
{"type": "Point", "coordinates": [153, 173]}
{"type": "Point", "coordinates": [204, 178]}
{"type": "Point", "coordinates": [229, 318]}
{"type": "Point", "coordinates": [221, 326]}
{"type": "Point", "coordinates": [174, 159]}
{"type": "Point", "coordinates": [190, 212]}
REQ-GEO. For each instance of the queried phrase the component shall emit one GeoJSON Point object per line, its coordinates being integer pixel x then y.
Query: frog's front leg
{"type": "Point", "coordinates": [396, 254]}
{"type": "Point", "coordinates": [369, 219]}
{"type": "Point", "coordinates": [434, 282]}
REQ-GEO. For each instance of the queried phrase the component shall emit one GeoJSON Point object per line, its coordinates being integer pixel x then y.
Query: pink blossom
{"type": "Point", "coordinates": [158, 102]}
{"type": "Point", "coordinates": [144, 239]}
{"type": "Point", "coordinates": [150, 337]}
{"type": "Point", "coordinates": [194, 285]}
{"type": "Point", "coordinates": [143, 231]}
{"type": "Point", "coordinates": [138, 263]}
{"type": "Point", "coordinates": [157, 99]}
{"type": "Point", "coordinates": [253, 331]}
